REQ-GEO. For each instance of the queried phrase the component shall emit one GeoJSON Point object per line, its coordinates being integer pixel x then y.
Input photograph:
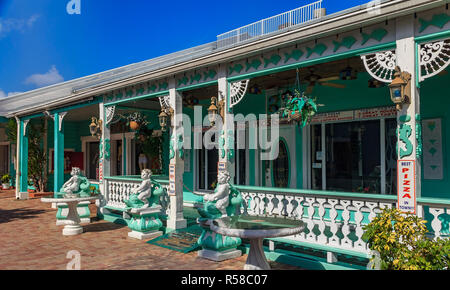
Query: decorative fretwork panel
{"type": "Point", "coordinates": [381, 65]}
{"type": "Point", "coordinates": [434, 58]}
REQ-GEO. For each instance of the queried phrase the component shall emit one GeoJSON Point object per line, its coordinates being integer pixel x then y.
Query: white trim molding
{"type": "Point", "coordinates": [381, 65]}
{"type": "Point", "coordinates": [434, 57]}
{"type": "Point", "coordinates": [237, 92]}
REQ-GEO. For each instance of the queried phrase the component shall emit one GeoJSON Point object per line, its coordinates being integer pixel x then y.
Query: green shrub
{"type": "Point", "coordinates": [6, 179]}
{"type": "Point", "coordinates": [402, 244]}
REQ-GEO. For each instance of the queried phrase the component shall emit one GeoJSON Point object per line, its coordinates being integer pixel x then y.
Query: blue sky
{"type": "Point", "coordinates": [41, 44]}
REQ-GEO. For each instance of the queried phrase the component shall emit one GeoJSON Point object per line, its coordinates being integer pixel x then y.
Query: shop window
{"type": "Point", "coordinates": [207, 160]}
{"type": "Point", "coordinates": [280, 167]}
{"type": "Point", "coordinates": [93, 160]}
{"type": "Point", "coordinates": [351, 157]}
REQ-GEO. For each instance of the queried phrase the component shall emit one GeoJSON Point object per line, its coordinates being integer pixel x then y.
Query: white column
{"type": "Point", "coordinates": [406, 118]}
{"type": "Point", "coordinates": [176, 169]}
{"type": "Point", "coordinates": [228, 125]}
{"type": "Point", "coordinates": [105, 160]}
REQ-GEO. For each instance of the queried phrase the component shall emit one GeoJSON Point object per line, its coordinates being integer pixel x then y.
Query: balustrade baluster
{"type": "Point", "coordinates": [359, 243]}
{"type": "Point", "coordinates": [322, 238]}
{"type": "Point", "coordinates": [346, 242]}
{"type": "Point", "coordinates": [262, 204]}
{"type": "Point", "coordinates": [289, 206]}
{"type": "Point", "coordinates": [334, 239]}
{"type": "Point", "coordinates": [436, 224]}
{"type": "Point", "coordinates": [310, 222]}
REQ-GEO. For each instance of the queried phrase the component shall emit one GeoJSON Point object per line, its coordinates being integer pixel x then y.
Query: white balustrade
{"type": "Point", "coordinates": [333, 219]}
{"type": "Point", "coordinates": [120, 189]}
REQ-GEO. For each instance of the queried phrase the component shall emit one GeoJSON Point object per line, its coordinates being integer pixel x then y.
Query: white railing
{"type": "Point", "coordinates": [335, 220]}
{"type": "Point", "coordinates": [118, 189]}
{"type": "Point", "coordinates": [270, 25]}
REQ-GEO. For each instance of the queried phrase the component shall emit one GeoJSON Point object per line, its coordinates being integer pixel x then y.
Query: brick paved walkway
{"type": "Point", "coordinates": [30, 240]}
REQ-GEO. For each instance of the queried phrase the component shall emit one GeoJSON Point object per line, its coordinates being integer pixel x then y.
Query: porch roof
{"type": "Point", "coordinates": [85, 88]}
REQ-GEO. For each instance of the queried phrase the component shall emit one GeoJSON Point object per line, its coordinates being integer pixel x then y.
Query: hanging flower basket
{"type": "Point", "coordinates": [134, 125]}
{"type": "Point", "coordinates": [136, 120]}
{"type": "Point", "coordinates": [299, 108]}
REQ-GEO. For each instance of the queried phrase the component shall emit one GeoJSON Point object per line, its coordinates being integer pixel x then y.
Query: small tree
{"type": "Point", "coordinates": [37, 157]}
{"type": "Point", "coordinates": [402, 244]}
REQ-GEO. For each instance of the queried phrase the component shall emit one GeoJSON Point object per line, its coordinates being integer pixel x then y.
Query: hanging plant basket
{"type": "Point", "coordinates": [134, 125]}
{"type": "Point", "coordinates": [300, 109]}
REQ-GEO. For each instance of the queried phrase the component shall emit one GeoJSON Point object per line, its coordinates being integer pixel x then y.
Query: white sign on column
{"type": "Point", "coordinates": [176, 168]}
{"type": "Point", "coordinates": [408, 169]}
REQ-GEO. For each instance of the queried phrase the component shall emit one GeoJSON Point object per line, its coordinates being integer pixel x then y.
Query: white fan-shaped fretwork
{"type": "Point", "coordinates": [237, 92]}
{"type": "Point", "coordinates": [381, 65]}
{"type": "Point", "coordinates": [110, 110]}
{"type": "Point", "coordinates": [164, 101]}
{"type": "Point", "coordinates": [434, 58]}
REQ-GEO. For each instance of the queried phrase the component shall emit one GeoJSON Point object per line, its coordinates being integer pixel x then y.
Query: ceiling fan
{"type": "Point", "coordinates": [314, 79]}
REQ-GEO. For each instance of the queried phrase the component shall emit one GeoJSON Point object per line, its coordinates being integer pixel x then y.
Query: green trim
{"type": "Point", "coordinates": [438, 20]}
{"type": "Point", "coordinates": [197, 86]}
{"type": "Point", "coordinates": [78, 106]}
{"type": "Point", "coordinates": [152, 95]}
{"type": "Point", "coordinates": [329, 58]}
{"type": "Point", "coordinates": [282, 139]}
{"type": "Point", "coordinates": [58, 141]}
{"type": "Point", "coordinates": [433, 36]}
{"type": "Point", "coordinates": [32, 116]}
{"type": "Point", "coordinates": [23, 158]}
{"type": "Point", "coordinates": [322, 247]}
{"type": "Point", "coordinates": [132, 108]}
{"type": "Point", "coordinates": [317, 192]}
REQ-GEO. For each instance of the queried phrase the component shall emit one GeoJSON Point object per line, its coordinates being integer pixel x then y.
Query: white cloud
{"type": "Point", "coordinates": [3, 94]}
{"type": "Point", "coordinates": [8, 25]}
{"type": "Point", "coordinates": [49, 78]}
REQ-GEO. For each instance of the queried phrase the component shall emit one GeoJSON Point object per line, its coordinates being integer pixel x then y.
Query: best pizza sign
{"type": "Point", "coordinates": [407, 186]}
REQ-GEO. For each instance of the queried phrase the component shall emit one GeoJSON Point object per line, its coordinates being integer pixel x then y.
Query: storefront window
{"type": "Point", "coordinates": [353, 157]}
{"type": "Point", "coordinates": [350, 156]}
{"type": "Point", "coordinates": [207, 167]}
{"type": "Point", "coordinates": [93, 159]}
{"type": "Point", "coordinates": [281, 167]}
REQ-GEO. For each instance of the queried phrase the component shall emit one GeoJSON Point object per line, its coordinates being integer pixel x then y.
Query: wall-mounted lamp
{"type": "Point", "coordinates": [400, 88]}
{"type": "Point", "coordinates": [164, 116]}
{"type": "Point", "coordinates": [215, 109]}
{"type": "Point", "coordinates": [96, 127]}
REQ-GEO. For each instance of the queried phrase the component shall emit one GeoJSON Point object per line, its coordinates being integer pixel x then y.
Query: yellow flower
{"type": "Point", "coordinates": [396, 262]}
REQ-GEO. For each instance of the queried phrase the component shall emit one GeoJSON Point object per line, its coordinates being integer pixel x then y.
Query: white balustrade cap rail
{"type": "Point", "coordinates": [272, 24]}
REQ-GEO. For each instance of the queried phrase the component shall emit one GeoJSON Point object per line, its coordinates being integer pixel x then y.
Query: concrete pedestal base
{"type": "Point", "coordinates": [219, 256]}
{"type": "Point", "coordinates": [83, 221]}
{"type": "Point", "coordinates": [256, 259]}
{"type": "Point", "coordinates": [176, 224]}
{"type": "Point", "coordinates": [22, 195]}
{"type": "Point", "coordinates": [145, 236]}
{"type": "Point", "coordinates": [144, 223]}
{"type": "Point", "coordinates": [72, 230]}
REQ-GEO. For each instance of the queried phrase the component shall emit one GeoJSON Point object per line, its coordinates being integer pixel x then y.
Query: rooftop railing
{"type": "Point", "coordinates": [271, 25]}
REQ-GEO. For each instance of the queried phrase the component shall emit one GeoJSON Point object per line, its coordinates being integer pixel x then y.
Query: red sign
{"type": "Point", "coordinates": [406, 186]}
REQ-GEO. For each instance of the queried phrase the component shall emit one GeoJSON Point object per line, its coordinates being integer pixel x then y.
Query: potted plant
{"type": "Point", "coordinates": [401, 242]}
{"type": "Point", "coordinates": [6, 179]}
{"type": "Point", "coordinates": [136, 120]}
{"type": "Point", "coordinates": [299, 108]}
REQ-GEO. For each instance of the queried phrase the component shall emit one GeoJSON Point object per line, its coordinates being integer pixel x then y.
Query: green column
{"type": "Point", "coordinates": [58, 157]}
{"type": "Point", "coordinates": [23, 159]}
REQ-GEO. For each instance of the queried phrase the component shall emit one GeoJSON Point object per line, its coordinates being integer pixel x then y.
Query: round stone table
{"type": "Point", "coordinates": [72, 225]}
{"type": "Point", "coordinates": [256, 229]}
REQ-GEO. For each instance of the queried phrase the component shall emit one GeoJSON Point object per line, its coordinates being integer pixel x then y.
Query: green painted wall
{"type": "Point", "coordinates": [435, 103]}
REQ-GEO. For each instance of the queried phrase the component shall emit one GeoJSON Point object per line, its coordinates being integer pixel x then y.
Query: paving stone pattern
{"type": "Point", "coordinates": [30, 240]}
